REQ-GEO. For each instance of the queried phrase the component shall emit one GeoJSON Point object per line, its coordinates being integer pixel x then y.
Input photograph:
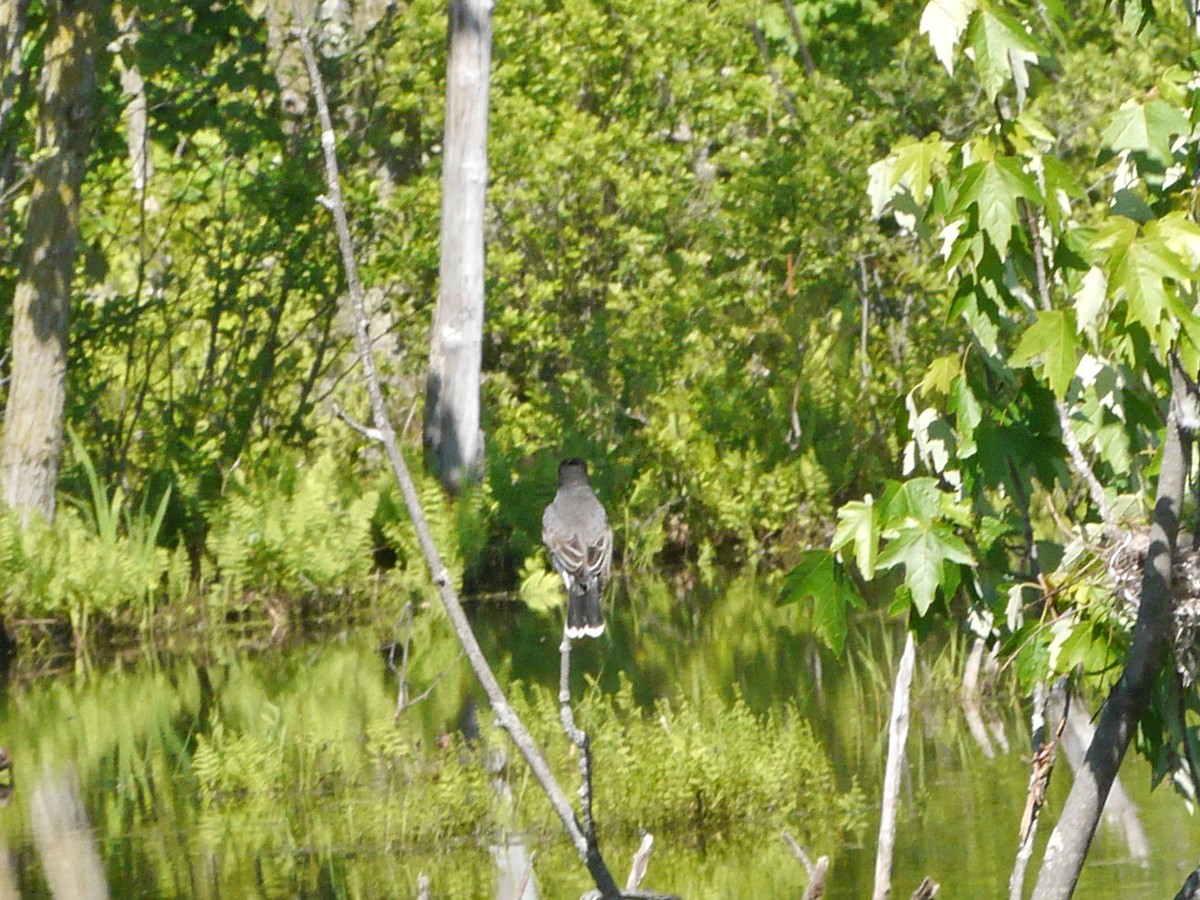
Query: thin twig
{"type": "Point", "coordinates": [784, 94]}
{"type": "Point", "coordinates": [810, 67]}
{"type": "Point", "coordinates": [371, 434]}
{"type": "Point", "coordinates": [817, 872]}
{"type": "Point", "coordinates": [1074, 450]}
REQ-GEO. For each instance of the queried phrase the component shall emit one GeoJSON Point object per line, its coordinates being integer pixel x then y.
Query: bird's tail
{"type": "Point", "coordinates": [585, 618]}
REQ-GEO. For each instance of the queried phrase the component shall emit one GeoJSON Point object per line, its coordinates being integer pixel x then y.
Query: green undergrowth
{"type": "Point", "coordinates": [297, 538]}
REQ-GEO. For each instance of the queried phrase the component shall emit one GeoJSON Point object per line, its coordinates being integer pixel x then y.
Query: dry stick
{"type": "Point", "coordinates": [505, 715]}
{"type": "Point", "coordinates": [897, 736]}
{"type": "Point", "coordinates": [784, 94]}
{"type": "Point", "coordinates": [810, 67]}
{"type": "Point", "coordinates": [817, 872]}
{"type": "Point", "coordinates": [641, 862]}
{"type": "Point", "coordinates": [579, 738]}
{"type": "Point", "coordinates": [1049, 717]}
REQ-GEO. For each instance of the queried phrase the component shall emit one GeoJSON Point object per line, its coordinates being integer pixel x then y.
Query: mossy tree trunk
{"type": "Point", "coordinates": [452, 424]}
{"type": "Point", "coordinates": [31, 446]}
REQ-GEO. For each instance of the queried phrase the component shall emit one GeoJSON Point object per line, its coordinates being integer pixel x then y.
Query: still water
{"type": "Point", "coordinates": [229, 769]}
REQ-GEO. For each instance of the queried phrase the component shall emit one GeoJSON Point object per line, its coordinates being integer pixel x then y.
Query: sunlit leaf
{"type": "Point", "coordinates": [858, 525]}
{"type": "Point", "coordinates": [1003, 49]}
{"type": "Point", "coordinates": [915, 500]}
{"type": "Point", "coordinates": [1052, 340]}
{"type": "Point", "coordinates": [1145, 129]}
{"type": "Point", "coordinates": [923, 550]}
{"type": "Point", "coordinates": [944, 21]}
{"type": "Point", "coordinates": [993, 188]}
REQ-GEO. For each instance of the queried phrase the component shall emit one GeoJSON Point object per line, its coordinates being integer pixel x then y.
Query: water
{"type": "Point", "coordinates": [311, 799]}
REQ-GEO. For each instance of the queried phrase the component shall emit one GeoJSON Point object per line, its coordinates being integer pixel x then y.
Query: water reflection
{"type": "Point", "coordinates": [284, 772]}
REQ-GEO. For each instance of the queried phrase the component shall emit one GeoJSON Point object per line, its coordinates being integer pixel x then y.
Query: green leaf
{"type": "Point", "coordinates": [915, 500]}
{"type": "Point", "coordinates": [912, 166]}
{"type": "Point", "coordinates": [1145, 129]}
{"type": "Point", "coordinates": [993, 187]}
{"type": "Point", "coordinates": [923, 550]}
{"type": "Point", "coordinates": [944, 21]}
{"type": "Point", "coordinates": [941, 374]}
{"type": "Point", "coordinates": [1003, 50]}
{"type": "Point", "coordinates": [1052, 339]}
{"type": "Point", "coordinates": [819, 576]}
{"type": "Point", "coordinates": [1137, 267]}
{"type": "Point", "coordinates": [858, 524]}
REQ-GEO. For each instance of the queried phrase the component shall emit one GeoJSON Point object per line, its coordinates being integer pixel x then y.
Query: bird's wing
{"type": "Point", "coordinates": [599, 556]}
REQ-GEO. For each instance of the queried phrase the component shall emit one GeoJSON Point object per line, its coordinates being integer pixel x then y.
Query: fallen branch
{"type": "Point", "coordinates": [505, 716]}
{"type": "Point", "coordinates": [641, 862]}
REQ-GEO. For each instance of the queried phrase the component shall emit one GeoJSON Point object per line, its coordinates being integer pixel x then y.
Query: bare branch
{"type": "Point", "coordinates": [810, 67]}
{"type": "Point", "coordinates": [505, 715]}
{"type": "Point", "coordinates": [371, 434]}
{"type": "Point", "coordinates": [641, 862]}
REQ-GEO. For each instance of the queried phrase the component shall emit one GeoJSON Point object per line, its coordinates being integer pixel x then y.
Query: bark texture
{"type": "Point", "coordinates": [33, 421]}
{"type": "Point", "coordinates": [1068, 845]}
{"type": "Point", "coordinates": [452, 422]}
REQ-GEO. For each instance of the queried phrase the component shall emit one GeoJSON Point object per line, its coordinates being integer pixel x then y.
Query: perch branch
{"type": "Point", "coordinates": [579, 738]}
{"type": "Point", "coordinates": [505, 715]}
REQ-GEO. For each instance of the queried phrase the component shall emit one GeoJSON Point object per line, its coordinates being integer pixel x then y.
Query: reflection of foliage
{"type": "Point", "coordinates": [276, 768]}
{"type": "Point", "coordinates": [711, 768]}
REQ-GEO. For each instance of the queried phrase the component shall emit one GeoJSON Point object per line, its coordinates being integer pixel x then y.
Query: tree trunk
{"type": "Point", "coordinates": [33, 425]}
{"type": "Point", "coordinates": [1068, 845]}
{"type": "Point", "coordinates": [13, 80]}
{"type": "Point", "coordinates": [452, 426]}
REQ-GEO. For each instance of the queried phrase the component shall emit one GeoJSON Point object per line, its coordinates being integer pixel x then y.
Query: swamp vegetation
{"type": "Point", "coordinates": [870, 317]}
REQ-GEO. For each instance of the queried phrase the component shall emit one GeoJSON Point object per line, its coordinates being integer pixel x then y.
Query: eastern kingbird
{"type": "Point", "coordinates": [575, 530]}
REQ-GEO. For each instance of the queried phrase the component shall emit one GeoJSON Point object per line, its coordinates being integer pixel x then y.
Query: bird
{"type": "Point", "coordinates": [575, 531]}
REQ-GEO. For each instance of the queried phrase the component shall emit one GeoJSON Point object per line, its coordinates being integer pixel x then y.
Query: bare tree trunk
{"type": "Point", "coordinates": [452, 422]}
{"type": "Point", "coordinates": [13, 21]}
{"type": "Point", "coordinates": [1068, 845]}
{"type": "Point", "coordinates": [137, 125]}
{"type": "Point", "coordinates": [33, 427]}
{"type": "Point", "coordinates": [897, 737]}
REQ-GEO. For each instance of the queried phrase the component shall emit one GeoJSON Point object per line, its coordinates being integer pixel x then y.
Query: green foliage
{"type": "Point", "coordinates": [98, 558]}
{"type": "Point", "coordinates": [1073, 301]}
{"type": "Point", "coordinates": [304, 533]}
